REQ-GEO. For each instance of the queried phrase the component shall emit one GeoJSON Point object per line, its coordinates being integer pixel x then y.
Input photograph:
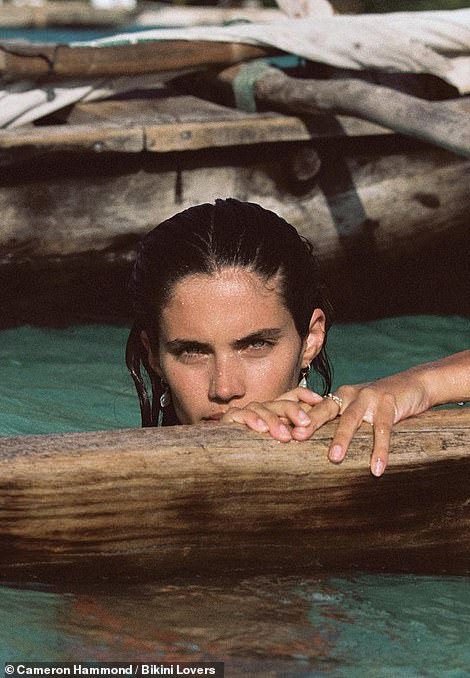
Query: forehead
{"type": "Point", "coordinates": [237, 301]}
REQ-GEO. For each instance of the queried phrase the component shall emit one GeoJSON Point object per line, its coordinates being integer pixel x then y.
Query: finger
{"type": "Point", "coordinates": [283, 417]}
{"type": "Point", "coordinates": [350, 421]}
{"type": "Point", "coordinates": [245, 416]}
{"type": "Point", "coordinates": [296, 413]}
{"type": "Point", "coordinates": [305, 395]}
{"type": "Point", "coordinates": [288, 411]}
{"type": "Point", "coordinates": [303, 427]}
{"type": "Point", "coordinates": [301, 394]}
{"type": "Point", "coordinates": [383, 424]}
{"type": "Point", "coordinates": [323, 411]}
{"type": "Point", "coordinates": [379, 458]}
{"type": "Point", "coordinates": [265, 419]}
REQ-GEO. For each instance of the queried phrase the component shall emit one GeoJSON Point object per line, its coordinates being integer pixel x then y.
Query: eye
{"type": "Point", "coordinates": [191, 353]}
{"type": "Point", "coordinates": [192, 349]}
{"type": "Point", "coordinates": [258, 345]}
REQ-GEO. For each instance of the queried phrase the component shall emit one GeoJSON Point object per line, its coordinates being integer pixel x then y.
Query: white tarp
{"type": "Point", "coordinates": [436, 43]}
{"type": "Point", "coordinates": [23, 102]}
{"type": "Point", "coordinates": [412, 42]}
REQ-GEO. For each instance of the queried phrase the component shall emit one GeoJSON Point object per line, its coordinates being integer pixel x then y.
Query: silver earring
{"type": "Point", "coordinates": [304, 375]}
{"type": "Point", "coordinates": [165, 400]}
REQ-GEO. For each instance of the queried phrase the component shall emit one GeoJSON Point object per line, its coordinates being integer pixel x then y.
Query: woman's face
{"type": "Point", "coordinates": [227, 340]}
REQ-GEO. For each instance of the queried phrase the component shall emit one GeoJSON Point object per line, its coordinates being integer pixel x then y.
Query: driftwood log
{"type": "Point", "coordinates": [442, 123]}
{"type": "Point", "coordinates": [211, 499]}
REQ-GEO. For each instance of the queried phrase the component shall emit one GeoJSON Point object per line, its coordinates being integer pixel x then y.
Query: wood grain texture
{"type": "Point", "coordinates": [433, 122]}
{"type": "Point", "coordinates": [206, 499]}
{"type": "Point", "coordinates": [173, 123]}
{"type": "Point", "coordinates": [365, 200]}
{"type": "Point", "coordinates": [33, 60]}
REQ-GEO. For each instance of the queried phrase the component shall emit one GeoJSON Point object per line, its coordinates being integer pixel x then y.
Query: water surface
{"type": "Point", "coordinates": [366, 625]}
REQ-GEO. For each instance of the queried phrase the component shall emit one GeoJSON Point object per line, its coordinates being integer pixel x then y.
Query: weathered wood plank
{"type": "Point", "coordinates": [175, 123]}
{"type": "Point", "coordinates": [212, 498]}
{"type": "Point", "coordinates": [96, 138]}
{"type": "Point", "coordinates": [33, 60]}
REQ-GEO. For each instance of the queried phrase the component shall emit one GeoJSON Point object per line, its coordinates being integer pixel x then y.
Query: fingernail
{"type": "Point", "coordinates": [336, 453]}
{"type": "Point", "coordinates": [304, 419]}
{"type": "Point", "coordinates": [378, 467]}
{"type": "Point", "coordinates": [261, 426]}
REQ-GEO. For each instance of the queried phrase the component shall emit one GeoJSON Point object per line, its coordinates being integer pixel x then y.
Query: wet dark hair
{"type": "Point", "coordinates": [205, 239]}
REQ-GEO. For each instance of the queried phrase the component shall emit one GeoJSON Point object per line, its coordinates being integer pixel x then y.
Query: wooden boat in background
{"type": "Point", "coordinates": [85, 14]}
{"type": "Point", "coordinates": [109, 171]}
{"type": "Point", "coordinates": [215, 499]}
{"type": "Point", "coordinates": [77, 13]}
{"type": "Point", "coordinates": [80, 187]}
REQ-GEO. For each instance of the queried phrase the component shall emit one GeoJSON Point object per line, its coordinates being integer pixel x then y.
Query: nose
{"type": "Point", "coordinates": [227, 381]}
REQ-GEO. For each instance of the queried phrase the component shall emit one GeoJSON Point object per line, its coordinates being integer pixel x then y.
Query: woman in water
{"type": "Point", "coordinates": [230, 311]}
{"type": "Point", "coordinates": [231, 317]}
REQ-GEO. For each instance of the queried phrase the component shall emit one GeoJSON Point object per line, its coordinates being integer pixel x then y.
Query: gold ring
{"type": "Point", "coordinates": [336, 399]}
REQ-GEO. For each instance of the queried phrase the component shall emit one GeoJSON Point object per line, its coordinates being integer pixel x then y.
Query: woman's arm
{"type": "Point", "coordinates": [387, 401]}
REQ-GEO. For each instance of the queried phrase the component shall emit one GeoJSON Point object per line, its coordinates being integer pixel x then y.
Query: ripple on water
{"type": "Point", "coordinates": [286, 627]}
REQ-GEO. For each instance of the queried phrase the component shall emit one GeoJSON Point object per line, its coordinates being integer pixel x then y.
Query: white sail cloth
{"type": "Point", "coordinates": [23, 102]}
{"type": "Point", "coordinates": [436, 43]}
{"type": "Point", "coordinates": [414, 42]}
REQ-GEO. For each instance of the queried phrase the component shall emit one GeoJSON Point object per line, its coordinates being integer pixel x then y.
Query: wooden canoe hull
{"type": "Point", "coordinates": [388, 216]}
{"type": "Point", "coordinates": [99, 176]}
{"type": "Point", "coordinates": [213, 499]}
{"type": "Point", "coordinates": [356, 205]}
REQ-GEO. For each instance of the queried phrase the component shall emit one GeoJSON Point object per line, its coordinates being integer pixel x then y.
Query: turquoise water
{"type": "Point", "coordinates": [364, 626]}
{"type": "Point", "coordinates": [74, 379]}
{"type": "Point", "coordinates": [57, 380]}
{"type": "Point", "coordinates": [64, 35]}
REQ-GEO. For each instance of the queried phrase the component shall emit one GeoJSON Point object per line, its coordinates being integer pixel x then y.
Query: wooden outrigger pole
{"type": "Point", "coordinates": [212, 499]}
{"type": "Point", "coordinates": [444, 124]}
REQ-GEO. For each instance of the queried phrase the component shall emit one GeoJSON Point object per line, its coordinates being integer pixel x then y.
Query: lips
{"type": "Point", "coordinates": [214, 417]}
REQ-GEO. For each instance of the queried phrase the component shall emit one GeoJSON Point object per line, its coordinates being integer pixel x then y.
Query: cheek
{"type": "Point", "coordinates": [285, 380]}
{"type": "Point", "coordinates": [189, 392]}
{"type": "Point", "coordinates": [271, 379]}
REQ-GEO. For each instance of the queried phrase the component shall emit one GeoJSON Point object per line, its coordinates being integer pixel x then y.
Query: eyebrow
{"type": "Point", "coordinates": [268, 333]}
{"type": "Point", "coordinates": [179, 345]}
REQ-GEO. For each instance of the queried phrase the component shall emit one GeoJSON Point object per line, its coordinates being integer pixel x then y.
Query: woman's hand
{"type": "Point", "coordinates": [387, 401]}
{"type": "Point", "coordinates": [286, 418]}
{"type": "Point", "coordinates": [382, 404]}
{"type": "Point", "coordinates": [296, 415]}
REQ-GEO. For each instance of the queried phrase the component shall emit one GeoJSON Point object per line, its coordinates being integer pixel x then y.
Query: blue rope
{"type": "Point", "coordinates": [245, 81]}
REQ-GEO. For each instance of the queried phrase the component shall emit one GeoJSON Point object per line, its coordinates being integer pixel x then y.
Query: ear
{"type": "Point", "coordinates": [152, 357]}
{"type": "Point", "coordinates": [315, 338]}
